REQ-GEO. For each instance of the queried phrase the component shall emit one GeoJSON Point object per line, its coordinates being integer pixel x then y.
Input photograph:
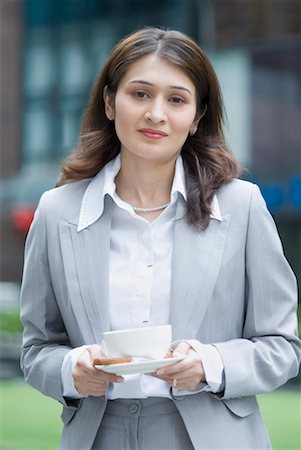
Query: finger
{"type": "Point", "coordinates": [170, 369]}
{"type": "Point", "coordinates": [190, 361]}
{"type": "Point", "coordinates": [89, 388]}
{"type": "Point", "coordinates": [83, 362]}
{"type": "Point", "coordinates": [187, 386]}
{"type": "Point", "coordinates": [109, 377]}
{"type": "Point", "coordinates": [95, 351]}
{"type": "Point", "coordinates": [184, 372]}
{"type": "Point", "coordinates": [91, 385]}
{"type": "Point", "coordinates": [175, 368]}
{"type": "Point", "coordinates": [191, 351]}
{"type": "Point", "coordinates": [161, 377]}
{"type": "Point", "coordinates": [181, 349]}
{"type": "Point", "coordinates": [188, 383]}
{"type": "Point", "coordinates": [194, 372]}
{"type": "Point", "coordinates": [178, 375]}
{"type": "Point", "coordinates": [84, 365]}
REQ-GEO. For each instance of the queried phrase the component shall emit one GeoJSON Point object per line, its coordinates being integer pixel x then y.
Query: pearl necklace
{"type": "Point", "coordinates": [154, 208]}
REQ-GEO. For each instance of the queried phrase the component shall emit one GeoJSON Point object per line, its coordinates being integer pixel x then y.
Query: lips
{"type": "Point", "coordinates": [152, 134]}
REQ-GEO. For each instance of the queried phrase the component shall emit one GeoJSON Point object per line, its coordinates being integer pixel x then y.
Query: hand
{"type": "Point", "coordinates": [188, 373]}
{"type": "Point", "coordinates": [87, 379]}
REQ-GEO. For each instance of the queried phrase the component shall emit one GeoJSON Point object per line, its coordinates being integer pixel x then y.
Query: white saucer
{"type": "Point", "coordinates": [146, 366]}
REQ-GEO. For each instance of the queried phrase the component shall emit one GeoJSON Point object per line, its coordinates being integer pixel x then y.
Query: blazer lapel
{"type": "Point", "coordinates": [90, 279]}
{"type": "Point", "coordinates": [197, 257]}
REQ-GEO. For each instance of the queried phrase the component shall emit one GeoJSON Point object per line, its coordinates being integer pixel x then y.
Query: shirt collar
{"type": "Point", "coordinates": [215, 210]}
{"type": "Point", "coordinates": [178, 185]}
{"type": "Point", "coordinates": [103, 184]}
{"type": "Point", "coordinates": [93, 200]}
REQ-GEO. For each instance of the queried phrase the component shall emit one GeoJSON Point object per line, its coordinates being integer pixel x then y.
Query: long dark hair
{"type": "Point", "coordinates": [207, 161]}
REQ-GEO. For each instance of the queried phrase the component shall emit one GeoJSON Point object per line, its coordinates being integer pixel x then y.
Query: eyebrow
{"type": "Point", "coordinates": [180, 88]}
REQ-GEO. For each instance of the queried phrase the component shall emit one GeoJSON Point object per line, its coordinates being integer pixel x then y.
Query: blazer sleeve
{"type": "Point", "coordinates": [268, 354]}
{"type": "Point", "coordinates": [45, 342]}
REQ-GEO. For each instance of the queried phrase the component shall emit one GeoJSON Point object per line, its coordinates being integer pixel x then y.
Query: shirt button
{"type": "Point", "coordinates": [134, 408]}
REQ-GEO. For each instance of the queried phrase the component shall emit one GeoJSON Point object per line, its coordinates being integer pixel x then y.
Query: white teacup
{"type": "Point", "coordinates": [148, 342]}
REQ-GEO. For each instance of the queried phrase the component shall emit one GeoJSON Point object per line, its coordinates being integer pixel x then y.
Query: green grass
{"type": "Point", "coordinates": [10, 321]}
{"type": "Point", "coordinates": [30, 421]}
{"type": "Point", "coordinates": [282, 415]}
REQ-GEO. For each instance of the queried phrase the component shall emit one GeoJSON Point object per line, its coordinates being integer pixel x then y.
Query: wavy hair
{"type": "Point", "coordinates": [208, 162]}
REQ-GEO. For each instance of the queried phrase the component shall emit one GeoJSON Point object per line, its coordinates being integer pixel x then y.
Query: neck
{"type": "Point", "coordinates": [145, 183]}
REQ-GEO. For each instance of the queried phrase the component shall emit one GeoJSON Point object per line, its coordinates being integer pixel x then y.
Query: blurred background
{"type": "Point", "coordinates": [50, 54]}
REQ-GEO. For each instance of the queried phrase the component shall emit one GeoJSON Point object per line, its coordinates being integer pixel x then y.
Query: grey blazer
{"type": "Point", "coordinates": [231, 287]}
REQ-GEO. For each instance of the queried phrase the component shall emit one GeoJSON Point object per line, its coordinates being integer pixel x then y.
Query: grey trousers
{"type": "Point", "coordinates": [150, 424]}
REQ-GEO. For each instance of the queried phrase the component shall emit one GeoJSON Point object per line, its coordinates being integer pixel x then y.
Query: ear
{"type": "Point", "coordinates": [109, 104]}
{"type": "Point", "coordinates": [196, 121]}
{"type": "Point", "coordinates": [194, 126]}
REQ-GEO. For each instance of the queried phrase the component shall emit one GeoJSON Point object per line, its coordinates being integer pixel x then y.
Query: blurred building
{"type": "Point", "coordinates": [51, 51]}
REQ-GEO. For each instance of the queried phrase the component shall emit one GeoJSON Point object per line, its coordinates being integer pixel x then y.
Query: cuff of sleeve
{"type": "Point", "coordinates": [212, 363]}
{"type": "Point", "coordinates": [69, 390]}
{"type": "Point", "coordinates": [202, 387]}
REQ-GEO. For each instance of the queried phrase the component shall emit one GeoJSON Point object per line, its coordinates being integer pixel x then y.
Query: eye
{"type": "Point", "coordinates": [176, 100]}
{"type": "Point", "coordinates": [141, 95]}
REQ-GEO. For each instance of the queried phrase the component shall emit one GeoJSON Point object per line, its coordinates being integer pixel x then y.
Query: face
{"type": "Point", "coordinates": [154, 110]}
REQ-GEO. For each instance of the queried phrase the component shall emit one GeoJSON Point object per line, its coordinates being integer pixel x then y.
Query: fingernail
{"type": "Point", "coordinates": [120, 380]}
{"type": "Point", "coordinates": [160, 372]}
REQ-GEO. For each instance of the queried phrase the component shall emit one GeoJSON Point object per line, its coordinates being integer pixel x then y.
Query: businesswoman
{"type": "Point", "coordinates": [149, 225]}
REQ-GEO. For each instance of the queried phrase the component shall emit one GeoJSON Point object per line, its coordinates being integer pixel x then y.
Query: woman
{"type": "Point", "coordinates": [150, 226]}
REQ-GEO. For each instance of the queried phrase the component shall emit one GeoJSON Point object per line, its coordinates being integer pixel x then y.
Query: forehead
{"type": "Point", "coordinates": [157, 71]}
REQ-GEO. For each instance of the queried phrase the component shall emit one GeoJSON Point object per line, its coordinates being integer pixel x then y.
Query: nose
{"type": "Point", "coordinates": [156, 113]}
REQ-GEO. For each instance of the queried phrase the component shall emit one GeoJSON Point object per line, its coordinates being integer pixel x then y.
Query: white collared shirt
{"type": "Point", "coordinates": [139, 279]}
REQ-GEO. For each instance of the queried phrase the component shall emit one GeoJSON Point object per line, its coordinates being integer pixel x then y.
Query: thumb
{"type": "Point", "coordinates": [95, 352]}
{"type": "Point", "coordinates": [182, 349]}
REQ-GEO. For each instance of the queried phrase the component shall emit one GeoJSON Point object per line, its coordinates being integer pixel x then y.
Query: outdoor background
{"type": "Point", "coordinates": [50, 53]}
